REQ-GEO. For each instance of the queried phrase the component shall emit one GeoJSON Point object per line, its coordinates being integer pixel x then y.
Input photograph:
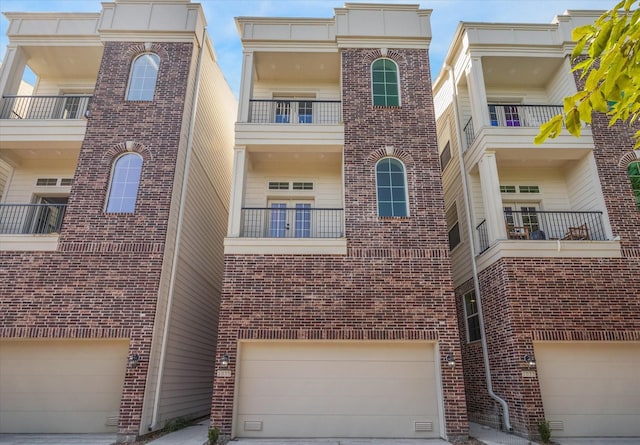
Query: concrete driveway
{"type": "Point", "coordinates": [338, 442]}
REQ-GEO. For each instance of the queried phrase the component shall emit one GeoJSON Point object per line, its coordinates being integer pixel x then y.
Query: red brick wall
{"type": "Point", "coordinates": [544, 299]}
{"type": "Point", "coordinates": [104, 279]}
{"type": "Point", "coordinates": [395, 281]}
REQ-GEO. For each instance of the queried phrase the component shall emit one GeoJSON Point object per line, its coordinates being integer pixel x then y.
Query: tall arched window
{"type": "Point", "coordinates": [125, 180]}
{"type": "Point", "coordinates": [385, 83]}
{"type": "Point", "coordinates": [144, 73]}
{"type": "Point", "coordinates": [634, 175]}
{"type": "Point", "coordinates": [391, 188]}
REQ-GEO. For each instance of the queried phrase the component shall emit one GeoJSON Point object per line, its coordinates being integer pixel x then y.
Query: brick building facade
{"type": "Point", "coordinates": [97, 326]}
{"type": "Point", "coordinates": [389, 291]}
{"type": "Point", "coordinates": [557, 309]}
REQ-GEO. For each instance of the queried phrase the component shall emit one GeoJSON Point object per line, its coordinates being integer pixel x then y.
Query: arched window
{"type": "Point", "coordinates": [385, 83]}
{"type": "Point", "coordinates": [391, 187]}
{"type": "Point", "coordinates": [144, 73]}
{"type": "Point", "coordinates": [634, 175]}
{"type": "Point", "coordinates": [125, 180]}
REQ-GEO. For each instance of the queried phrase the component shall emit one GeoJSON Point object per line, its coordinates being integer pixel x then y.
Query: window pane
{"type": "Point", "coordinates": [399, 209]}
{"type": "Point", "coordinates": [384, 209]}
{"type": "Point", "coordinates": [391, 190]}
{"type": "Point", "coordinates": [144, 74]}
{"type": "Point", "coordinates": [125, 181]}
{"type": "Point", "coordinates": [384, 77]}
{"type": "Point", "coordinates": [398, 193]}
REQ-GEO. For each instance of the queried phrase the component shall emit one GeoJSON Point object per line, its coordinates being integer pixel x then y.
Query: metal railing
{"type": "Point", "coordinates": [469, 133]}
{"type": "Point", "coordinates": [44, 107]}
{"type": "Point", "coordinates": [483, 236]}
{"type": "Point", "coordinates": [31, 218]}
{"type": "Point", "coordinates": [542, 225]}
{"type": "Point", "coordinates": [323, 112]}
{"type": "Point", "coordinates": [302, 222]}
{"type": "Point", "coordinates": [516, 115]}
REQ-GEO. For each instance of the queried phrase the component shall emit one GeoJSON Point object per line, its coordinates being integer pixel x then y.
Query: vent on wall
{"type": "Point", "coordinates": [112, 421]}
{"type": "Point", "coordinates": [556, 425]}
{"type": "Point", "coordinates": [253, 425]}
{"type": "Point", "coordinates": [422, 427]}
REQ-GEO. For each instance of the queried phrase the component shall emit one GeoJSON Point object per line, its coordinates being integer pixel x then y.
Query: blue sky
{"type": "Point", "coordinates": [220, 13]}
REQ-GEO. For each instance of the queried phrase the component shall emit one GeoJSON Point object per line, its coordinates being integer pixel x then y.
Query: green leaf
{"type": "Point", "coordinates": [582, 32]}
{"type": "Point", "coordinates": [600, 42]}
{"type": "Point", "coordinates": [572, 121]}
{"type": "Point", "coordinates": [550, 129]}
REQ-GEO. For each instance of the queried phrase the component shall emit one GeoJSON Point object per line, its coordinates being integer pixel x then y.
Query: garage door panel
{"type": "Point", "coordinates": [346, 387]}
{"type": "Point", "coordinates": [372, 351]}
{"type": "Point", "coordinates": [336, 389]}
{"type": "Point", "coordinates": [337, 369]}
{"type": "Point", "coordinates": [330, 404]}
{"type": "Point", "coordinates": [60, 386]}
{"type": "Point", "coordinates": [590, 388]}
{"type": "Point", "coordinates": [340, 426]}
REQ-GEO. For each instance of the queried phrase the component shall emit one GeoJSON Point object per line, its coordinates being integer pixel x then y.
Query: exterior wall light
{"type": "Point", "coordinates": [134, 360]}
{"type": "Point", "coordinates": [224, 361]}
{"type": "Point", "coordinates": [530, 360]}
{"type": "Point", "coordinates": [450, 360]}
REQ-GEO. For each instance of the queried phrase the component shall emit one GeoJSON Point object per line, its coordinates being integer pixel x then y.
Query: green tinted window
{"type": "Point", "coordinates": [392, 191]}
{"type": "Point", "coordinates": [384, 78]}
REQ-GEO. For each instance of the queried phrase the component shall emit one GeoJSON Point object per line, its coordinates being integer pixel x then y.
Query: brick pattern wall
{"type": "Point", "coordinates": [557, 299]}
{"type": "Point", "coordinates": [395, 281]}
{"type": "Point", "coordinates": [103, 281]}
{"type": "Point", "coordinates": [531, 299]}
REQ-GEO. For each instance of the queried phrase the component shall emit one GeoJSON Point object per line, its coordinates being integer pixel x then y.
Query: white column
{"type": "Point", "coordinates": [12, 70]}
{"type": "Point", "coordinates": [477, 94]}
{"type": "Point", "coordinates": [246, 86]}
{"type": "Point", "coordinates": [490, 184]}
{"type": "Point", "coordinates": [237, 190]}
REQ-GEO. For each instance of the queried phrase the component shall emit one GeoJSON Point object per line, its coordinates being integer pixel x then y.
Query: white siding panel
{"type": "Point", "coordinates": [191, 340]}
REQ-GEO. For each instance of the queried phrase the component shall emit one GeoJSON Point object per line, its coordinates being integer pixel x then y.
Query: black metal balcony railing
{"type": "Point", "coordinates": [483, 236]}
{"type": "Point", "coordinates": [300, 222]}
{"type": "Point", "coordinates": [323, 112]}
{"type": "Point", "coordinates": [542, 225]}
{"type": "Point", "coordinates": [44, 107]}
{"type": "Point", "coordinates": [515, 115]}
{"type": "Point", "coordinates": [31, 218]}
{"type": "Point", "coordinates": [469, 133]}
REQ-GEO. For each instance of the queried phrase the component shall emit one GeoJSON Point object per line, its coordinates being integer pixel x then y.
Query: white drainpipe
{"type": "Point", "coordinates": [476, 281]}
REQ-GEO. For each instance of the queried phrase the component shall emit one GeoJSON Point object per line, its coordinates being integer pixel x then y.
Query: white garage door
{"type": "Point", "coordinates": [337, 389]}
{"type": "Point", "coordinates": [61, 386]}
{"type": "Point", "coordinates": [590, 389]}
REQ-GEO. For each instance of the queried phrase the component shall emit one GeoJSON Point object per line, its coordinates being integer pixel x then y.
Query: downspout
{"type": "Point", "coordinates": [176, 248]}
{"type": "Point", "coordinates": [474, 265]}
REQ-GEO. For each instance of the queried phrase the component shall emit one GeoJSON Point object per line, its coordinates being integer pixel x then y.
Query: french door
{"type": "Point", "coordinates": [522, 215]}
{"type": "Point", "coordinates": [290, 219]}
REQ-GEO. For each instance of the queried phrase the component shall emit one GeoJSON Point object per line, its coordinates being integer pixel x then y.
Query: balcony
{"type": "Point", "coordinates": [321, 112]}
{"type": "Point", "coordinates": [31, 219]}
{"type": "Point", "coordinates": [541, 225]}
{"type": "Point", "coordinates": [280, 230]}
{"type": "Point", "coordinates": [300, 222]}
{"type": "Point", "coordinates": [44, 107]}
{"type": "Point", "coordinates": [514, 116]}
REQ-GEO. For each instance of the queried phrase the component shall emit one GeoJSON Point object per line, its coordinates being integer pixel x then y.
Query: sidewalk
{"type": "Point", "coordinates": [494, 437]}
{"type": "Point", "coordinates": [191, 435]}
